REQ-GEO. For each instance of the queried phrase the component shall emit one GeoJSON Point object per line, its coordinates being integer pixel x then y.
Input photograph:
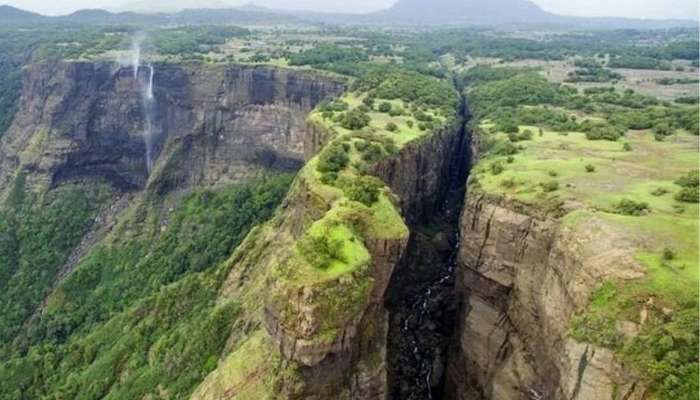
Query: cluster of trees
{"type": "Point", "coordinates": [191, 40]}
{"type": "Point", "coordinates": [422, 91]}
{"type": "Point", "coordinates": [638, 62]}
{"type": "Point", "coordinates": [328, 54]}
{"type": "Point", "coordinates": [676, 81]}
{"type": "Point", "coordinates": [519, 90]}
{"type": "Point", "coordinates": [590, 70]}
{"type": "Point", "coordinates": [526, 98]}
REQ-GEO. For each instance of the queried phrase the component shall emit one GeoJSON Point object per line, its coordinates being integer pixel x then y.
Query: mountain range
{"type": "Point", "coordinates": [500, 13]}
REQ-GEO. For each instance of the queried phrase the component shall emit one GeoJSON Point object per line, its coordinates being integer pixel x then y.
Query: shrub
{"type": "Point", "coordinates": [590, 168]}
{"type": "Point", "coordinates": [363, 108]}
{"type": "Point", "coordinates": [690, 180]}
{"type": "Point", "coordinates": [627, 147]}
{"type": "Point", "coordinates": [354, 120]}
{"type": "Point", "coordinates": [422, 116]}
{"type": "Point", "coordinates": [329, 178]}
{"type": "Point", "coordinates": [333, 159]}
{"type": "Point", "coordinates": [596, 329]}
{"type": "Point", "coordinates": [631, 207]}
{"type": "Point", "coordinates": [361, 145]}
{"type": "Point", "coordinates": [368, 101]}
{"type": "Point", "coordinates": [392, 127]}
{"type": "Point", "coordinates": [508, 126]}
{"type": "Point", "coordinates": [520, 136]}
{"type": "Point", "coordinates": [688, 195]}
{"type": "Point", "coordinates": [510, 159]}
{"type": "Point", "coordinates": [384, 107]}
{"type": "Point", "coordinates": [662, 129]}
{"type": "Point", "coordinates": [504, 149]}
{"type": "Point", "coordinates": [321, 251]}
{"type": "Point", "coordinates": [553, 174]}
{"type": "Point", "coordinates": [509, 183]}
{"type": "Point", "coordinates": [364, 189]}
{"type": "Point", "coordinates": [497, 168]}
{"type": "Point", "coordinates": [550, 186]}
{"type": "Point", "coordinates": [409, 123]}
{"type": "Point", "coordinates": [396, 112]}
{"type": "Point", "coordinates": [668, 254]}
{"type": "Point", "coordinates": [659, 192]}
{"type": "Point", "coordinates": [373, 153]}
{"type": "Point", "coordinates": [604, 132]}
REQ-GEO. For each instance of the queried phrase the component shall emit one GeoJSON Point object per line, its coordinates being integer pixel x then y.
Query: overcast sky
{"type": "Point", "coordinates": [627, 8]}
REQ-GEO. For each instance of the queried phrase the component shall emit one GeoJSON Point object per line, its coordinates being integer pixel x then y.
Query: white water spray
{"type": "Point", "coordinates": [149, 109]}
{"type": "Point", "coordinates": [136, 55]}
{"type": "Point", "coordinates": [147, 99]}
{"type": "Point", "coordinates": [151, 72]}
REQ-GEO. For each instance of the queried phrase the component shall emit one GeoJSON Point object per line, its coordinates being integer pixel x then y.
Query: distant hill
{"type": "Point", "coordinates": [170, 6]}
{"type": "Point", "coordinates": [499, 13]}
{"type": "Point", "coordinates": [514, 14]}
{"type": "Point", "coordinates": [479, 12]}
{"type": "Point", "coordinates": [9, 14]}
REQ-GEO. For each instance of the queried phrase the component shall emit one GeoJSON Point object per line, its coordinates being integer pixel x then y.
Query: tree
{"type": "Point", "coordinates": [354, 120]}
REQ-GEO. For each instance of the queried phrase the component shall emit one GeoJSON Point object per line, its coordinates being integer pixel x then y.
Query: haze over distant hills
{"type": "Point", "coordinates": [501, 13]}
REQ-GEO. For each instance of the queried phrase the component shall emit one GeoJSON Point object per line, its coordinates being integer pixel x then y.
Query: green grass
{"type": "Point", "coordinates": [239, 374]}
{"type": "Point", "coordinates": [379, 121]}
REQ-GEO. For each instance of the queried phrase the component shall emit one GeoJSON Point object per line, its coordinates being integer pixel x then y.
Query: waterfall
{"type": "Point", "coordinates": [149, 111]}
{"type": "Point", "coordinates": [148, 104]}
{"type": "Point", "coordinates": [149, 93]}
{"type": "Point", "coordinates": [136, 55]}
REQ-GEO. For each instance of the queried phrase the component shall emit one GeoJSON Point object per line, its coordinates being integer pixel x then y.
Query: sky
{"type": "Point", "coordinates": [686, 9]}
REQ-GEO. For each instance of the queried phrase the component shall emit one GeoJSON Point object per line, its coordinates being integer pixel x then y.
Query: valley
{"type": "Point", "coordinates": [208, 211]}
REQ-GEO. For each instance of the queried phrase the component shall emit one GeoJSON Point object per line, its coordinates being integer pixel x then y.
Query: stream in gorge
{"type": "Point", "coordinates": [421, 299]}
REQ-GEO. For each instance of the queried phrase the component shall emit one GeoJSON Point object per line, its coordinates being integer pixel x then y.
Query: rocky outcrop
{"type": "Point", "coordinates": [332, 332]}
{"type": "Point", "coordinates": [209, 124]}
{"type": "Point", "coordinates": [522, 276]}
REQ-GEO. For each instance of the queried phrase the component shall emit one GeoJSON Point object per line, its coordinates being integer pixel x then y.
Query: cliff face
{"type": "Point", "coordinates": [207, 124]}
{"type": "Point", "coordinates": [522, 275]}
{"type": "Point", "coordinates": [329, 335]}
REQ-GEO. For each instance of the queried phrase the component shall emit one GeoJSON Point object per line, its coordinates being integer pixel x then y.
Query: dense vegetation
{"type": "Point", "coordinates": [191, 40]}
{"type": "Point", "coordinates": [160, 287]}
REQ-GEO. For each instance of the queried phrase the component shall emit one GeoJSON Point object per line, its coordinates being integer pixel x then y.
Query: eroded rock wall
{"type": "Point", "coordinates": [522, 275]}
{"type": "Point", "coordinates": [210, 124]}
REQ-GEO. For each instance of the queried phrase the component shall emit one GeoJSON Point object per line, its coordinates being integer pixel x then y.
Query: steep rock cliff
{"type": "Point", "coordinates": [208, 124]}
{"type": "Point", "coordinates": [523, 274]}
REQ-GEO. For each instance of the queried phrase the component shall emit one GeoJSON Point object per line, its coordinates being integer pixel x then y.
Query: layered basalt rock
{"type": "Point", "coordinates": [522, 275]}
{"type": "Point", "coordinates": [211, 124]}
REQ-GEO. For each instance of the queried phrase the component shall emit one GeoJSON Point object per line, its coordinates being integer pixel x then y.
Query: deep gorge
{"type": "Point", "coordinates": [472, 304]}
